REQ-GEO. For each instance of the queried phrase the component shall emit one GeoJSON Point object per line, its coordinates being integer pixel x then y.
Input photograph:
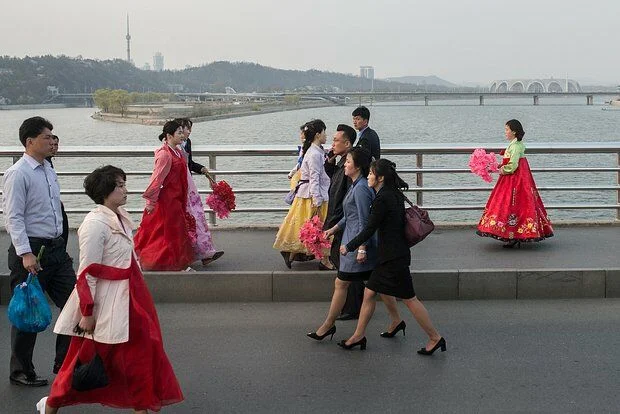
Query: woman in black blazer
{"type": "Point", "coordinates": [391, 278]}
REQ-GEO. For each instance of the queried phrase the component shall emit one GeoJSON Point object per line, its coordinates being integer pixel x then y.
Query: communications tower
{"type": "Point", "coordinates": [128, 37]}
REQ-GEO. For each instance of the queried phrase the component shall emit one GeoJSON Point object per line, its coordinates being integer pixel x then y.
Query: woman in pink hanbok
{"type": "Point", "coordinates": [202, 242]}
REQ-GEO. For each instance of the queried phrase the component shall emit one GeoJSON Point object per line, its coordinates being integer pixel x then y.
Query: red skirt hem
{"type": "Point", "coordinates": [139, 373]}
{"type": "Point", "coordinates": [515, 210]}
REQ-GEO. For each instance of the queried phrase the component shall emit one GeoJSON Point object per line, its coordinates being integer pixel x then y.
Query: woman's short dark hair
{"type": "Point", "coordinates": [100, 183]}
{"type": "Point", "coordinates": [170, 127]}
{"type": "Point", "coordinates": [316, 126]}
{"type": "Point", "coordinates": [361, 158]}
{"type": "Point", "coordinates": [516, 127]}
{"type": "Point", "coordinates": [32, 127]}
{"type": "Point", "coordinates": [387, 169]}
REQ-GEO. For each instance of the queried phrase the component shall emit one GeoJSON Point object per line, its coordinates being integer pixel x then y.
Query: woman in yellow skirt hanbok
{"type": "Point", "coordinates": [311, 198]}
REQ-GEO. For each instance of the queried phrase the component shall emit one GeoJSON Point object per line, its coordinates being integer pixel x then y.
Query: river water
{"type": "Point", "coordinates": [555, 120]}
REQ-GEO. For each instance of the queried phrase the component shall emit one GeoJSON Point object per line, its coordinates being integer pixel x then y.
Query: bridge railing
{"type": "Point", "coordinates": [411, 162]}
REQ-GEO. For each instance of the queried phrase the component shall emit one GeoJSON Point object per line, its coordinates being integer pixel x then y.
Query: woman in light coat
{"type": "Point", "coordinates": [111, 312]}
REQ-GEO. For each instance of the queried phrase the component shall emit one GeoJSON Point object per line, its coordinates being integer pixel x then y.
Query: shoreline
{"type": "Point", "coordinates": [141, 119]}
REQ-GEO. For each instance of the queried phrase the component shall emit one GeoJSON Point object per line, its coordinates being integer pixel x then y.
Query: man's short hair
{"type": "Point", "coordinates": [185, 122]}
{"type": "Point", "coordinates": [362, 112]}
{"type": "Point", "coordinates": [348, 133]}
{"type": "Point", "coordinates": [32, 127]}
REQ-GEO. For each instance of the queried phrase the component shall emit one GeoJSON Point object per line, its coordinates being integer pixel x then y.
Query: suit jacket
{"type": "Point", "coordinates": [356, 206]}
{"type": "Point", "coordinates": [370, 140]}
{"type": "Point", "coordinates": [338, 187]}
{"type": "Point", "coordinates": [193, 166]}
{"type": "Point", "coordinates": [387, 218]}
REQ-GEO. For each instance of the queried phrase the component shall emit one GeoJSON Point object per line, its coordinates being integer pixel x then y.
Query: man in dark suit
{"type": "Point", "coordinates": [65, 220]}
{"type": "Point", "coordinates": [344, 138]}
{"type": "Point", "coordinates": [187, 145]}
{"type": "Point", "coordinates": [366, 137]}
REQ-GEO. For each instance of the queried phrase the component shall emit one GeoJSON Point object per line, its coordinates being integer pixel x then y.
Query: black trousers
{"type": "Point", "coordinates": [355, 293]}
{"type": "Point", "coordinates": [57, 279]}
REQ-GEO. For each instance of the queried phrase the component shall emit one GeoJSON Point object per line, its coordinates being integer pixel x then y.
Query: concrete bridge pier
{"type": "Point", "coordinates": [589, 100]}
{"type": "Point", "coordinates": [426, 101]}
{"type": "Point", "coordinates": [535, 100]}
{"type": "Point", "coordinates": [481, 100]}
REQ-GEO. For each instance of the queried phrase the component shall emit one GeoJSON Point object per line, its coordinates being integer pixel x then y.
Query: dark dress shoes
{"type": "Point", "coordinates": [25, 380]}
{"type": "Point", "coordinates": [347, 317]}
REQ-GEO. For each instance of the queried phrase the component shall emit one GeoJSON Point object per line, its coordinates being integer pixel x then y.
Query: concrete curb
{"type": "Point", "coordinates": [311, 286]}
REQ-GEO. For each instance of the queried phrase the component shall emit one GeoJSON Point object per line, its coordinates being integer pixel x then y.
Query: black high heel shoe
{"type": "Point", "coordinates": [400, 327]}
{"type": "Point", "coordinates": [362, 344]}
{"type": "Point", "coordinates": [511, 244]}
{"type": "Point", "coordinates": [440, 344]}
{"type": "Point", "coordinates": [331, 331]}
{"type": "Point", "coordinates": [287, 258]}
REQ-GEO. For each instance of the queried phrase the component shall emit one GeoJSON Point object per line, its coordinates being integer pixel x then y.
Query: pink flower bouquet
{"type": "Point", "coordinates": [222, 200]}
{"type": "Point", "coordinates": [312, 237]}
{"type": "Point", "coordinates": [483, 164]}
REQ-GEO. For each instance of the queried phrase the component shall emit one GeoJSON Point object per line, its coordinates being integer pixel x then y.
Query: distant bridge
{"type": "Point", "coordinates": [86, 99]}
{"type": "Point", "coordinates": [535, 85]}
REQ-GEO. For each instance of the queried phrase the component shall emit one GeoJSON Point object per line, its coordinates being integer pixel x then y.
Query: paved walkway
{"type": "Point", "coordinates": [542, 356]}
{"type": "Point", "coordinates": [576, 247]}
{"type": "Point", "coordinates": [452, 263]}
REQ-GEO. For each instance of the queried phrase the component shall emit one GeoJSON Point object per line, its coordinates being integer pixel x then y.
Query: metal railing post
{"type": "Point", "coordinates": [618, 192]}
{"type": "Point", "coordinates": [212, 167]}
{"type": "Point", "coordinates": [419, 179]}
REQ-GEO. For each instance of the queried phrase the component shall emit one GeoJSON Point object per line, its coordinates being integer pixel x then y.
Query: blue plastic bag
{"type": "Point", "coordinates": [29, 310]}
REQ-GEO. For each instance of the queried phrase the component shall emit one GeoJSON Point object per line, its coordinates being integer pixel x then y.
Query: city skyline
{"type": "Point", "coordinates": [462, 43]}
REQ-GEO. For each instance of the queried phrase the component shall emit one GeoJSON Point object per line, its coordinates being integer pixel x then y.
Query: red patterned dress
{"type": "Point", "coordinates": [163, 240]}
{"type": "Point", "coordinates": [515, 210]}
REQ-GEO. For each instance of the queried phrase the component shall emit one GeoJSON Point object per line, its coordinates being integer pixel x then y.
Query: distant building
{"type": "Point", "coordinates": [368, 72]}
{"type": "Point", "coordinates": [146, 66]}
{"type": "Point", "coordinates": [158, 62]}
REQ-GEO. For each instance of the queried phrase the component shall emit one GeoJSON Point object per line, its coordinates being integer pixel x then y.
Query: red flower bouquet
{"type": "Point", "coordinates": [222, 199]}
{"type": "Point", "coordinates": [483, 164]}
{"type": "Point", "coordinates": [312, 237]}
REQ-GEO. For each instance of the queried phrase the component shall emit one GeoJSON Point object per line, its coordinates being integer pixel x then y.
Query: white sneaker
{"type": "Point", "coordinates": [41, 405]}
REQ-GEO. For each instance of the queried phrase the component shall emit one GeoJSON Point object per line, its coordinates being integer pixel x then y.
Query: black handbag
{"type": "Point", "coordinates": [418, 224]}
{"type": "Point", "coordinates": [90, 375]}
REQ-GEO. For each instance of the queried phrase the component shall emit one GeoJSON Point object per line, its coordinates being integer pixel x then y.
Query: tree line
{"type": "Point", "coordinates": [37, 79]}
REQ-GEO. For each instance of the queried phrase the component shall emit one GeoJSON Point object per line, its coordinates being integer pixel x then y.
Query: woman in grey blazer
{"type": "Point", "coordinates": [356, 208]}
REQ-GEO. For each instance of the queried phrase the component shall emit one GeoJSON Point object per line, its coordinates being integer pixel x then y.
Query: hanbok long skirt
{"type": "Point", "coordinates": [515, 210]}
{"type": "Point", "coordinates": [202, 242]}
{"type": "Point", "coordinates": [139, 373]}
{"type": "Point", "coordinates": [287, 239]}
{"type": "Point", "coordinates": [162, 241]}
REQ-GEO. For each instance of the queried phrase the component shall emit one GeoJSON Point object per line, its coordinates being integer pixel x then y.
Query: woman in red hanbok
{"type": "Point", "coordinates": [111, 312]}
{"type": "Point", "coordinates": [164, 239]}
{"type": "Point", "coordinates": [515, 212]}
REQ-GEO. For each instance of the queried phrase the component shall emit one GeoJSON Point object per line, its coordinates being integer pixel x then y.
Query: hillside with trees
{"type": "Point", "coordinates": [32, 80]}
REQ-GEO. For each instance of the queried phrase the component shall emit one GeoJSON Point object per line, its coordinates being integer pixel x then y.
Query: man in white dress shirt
{"type": "Point", "coordinates": [33, 219]}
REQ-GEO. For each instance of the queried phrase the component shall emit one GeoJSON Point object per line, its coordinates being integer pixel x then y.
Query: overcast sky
{"type": "Point", "coordinates": [458, 40]}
